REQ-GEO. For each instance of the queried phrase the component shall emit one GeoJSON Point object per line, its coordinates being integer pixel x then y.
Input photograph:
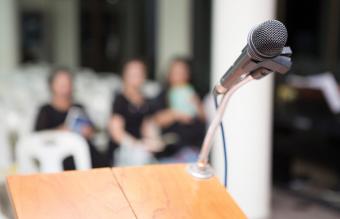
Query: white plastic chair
{"type": "Point", "coordinates": [50, 148]}
{"type": "Point", "coordinates": [2, 216]}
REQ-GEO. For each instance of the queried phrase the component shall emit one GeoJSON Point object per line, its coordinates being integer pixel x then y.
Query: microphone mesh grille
{"type": "Point", "coordinates": [269, 38]}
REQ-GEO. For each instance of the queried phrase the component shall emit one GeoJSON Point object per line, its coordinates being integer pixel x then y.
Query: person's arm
{"type": "Point", "coordinates": [42, 121]}
{"type": "Point", "coordinates": [116, 125]}
{"type": "Point", "coordinates": [164, 116]}
{"type": "Point", "coordinates": [167, 117]}
{"type": "Point", "coordinates": [117, 128]}
{"type": "Point", "coordinates": [87, 131]}
{"type": "Point", "coordinates": [151, 136]}
{"type": "Point", "coordinates": [199, 108]}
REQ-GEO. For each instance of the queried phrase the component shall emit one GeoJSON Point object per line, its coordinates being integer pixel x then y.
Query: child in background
{"type": "Point", "coordinates": [181, 95]}
{"type": "Point", "coordinates": [181, 115]}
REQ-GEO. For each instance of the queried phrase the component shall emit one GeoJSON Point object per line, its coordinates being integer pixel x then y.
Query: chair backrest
{"type": "Point", "coordinates": [49, 149]}
{"type": "Point", "coordinates": [2, 216]}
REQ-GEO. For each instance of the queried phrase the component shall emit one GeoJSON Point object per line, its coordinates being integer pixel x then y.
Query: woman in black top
{"type": "Point", "coordinates": [52, 116]}
{"type": "Point", "coordinates": [131, 111]}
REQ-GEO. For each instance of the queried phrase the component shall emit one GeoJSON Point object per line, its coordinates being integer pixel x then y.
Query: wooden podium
{"type": "Point", "coordinates": [155, 191]}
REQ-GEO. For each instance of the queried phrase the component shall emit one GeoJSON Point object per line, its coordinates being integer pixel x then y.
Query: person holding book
{"type": "Point", "coordinates": [62, 113]}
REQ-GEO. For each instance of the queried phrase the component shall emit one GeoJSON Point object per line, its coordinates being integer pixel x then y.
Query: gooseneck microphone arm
{"type": "Point", "coordinates": [202, 169]}
{"type": "Point", "coordinates": [207, 143]}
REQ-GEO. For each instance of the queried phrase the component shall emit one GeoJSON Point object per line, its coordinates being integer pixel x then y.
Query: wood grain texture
{"type": "Point", "coordinates": [169, 192]}
{"type": "Point", "coordinates": [76, 194]}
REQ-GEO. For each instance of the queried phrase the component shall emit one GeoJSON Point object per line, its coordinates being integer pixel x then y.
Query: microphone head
{"type": "Point", "coordinates": [267, 40]}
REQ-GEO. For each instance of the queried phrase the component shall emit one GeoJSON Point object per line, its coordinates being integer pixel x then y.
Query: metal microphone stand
{"type": "Point", "coordinates": [202, 169]}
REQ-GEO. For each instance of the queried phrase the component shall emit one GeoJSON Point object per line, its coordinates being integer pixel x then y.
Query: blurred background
{"type": "Point", "coordinates": [285, 162]}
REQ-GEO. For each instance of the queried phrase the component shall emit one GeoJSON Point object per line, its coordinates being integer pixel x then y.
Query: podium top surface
{"type": "Point", "coordinates": [155, 191]}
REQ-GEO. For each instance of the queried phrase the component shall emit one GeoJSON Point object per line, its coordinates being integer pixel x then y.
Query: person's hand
{"type": "Point", "coordinates": [153, 145]}
{"type": "Point", "coordinates": [87, 131]}
{"type": "Point", "coordinates": [63, 128]}
{"type": "Point", "coordinates": [183, 118]}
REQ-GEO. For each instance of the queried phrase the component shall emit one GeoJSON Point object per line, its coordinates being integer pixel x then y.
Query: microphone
{"type": "Point", "coordinates": [264, 53]}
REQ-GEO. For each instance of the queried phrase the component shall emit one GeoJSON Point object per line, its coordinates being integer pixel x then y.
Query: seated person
{"type": "Point", "coordinates": [57, 114]}
{"type": "Point", "coordinates": [131, 125]}
{"type": "Point", "coordinates": [180, 112]}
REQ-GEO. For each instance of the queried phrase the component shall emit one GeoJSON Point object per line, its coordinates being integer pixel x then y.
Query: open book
{"type": "Point", "coordinates": [76, 119]}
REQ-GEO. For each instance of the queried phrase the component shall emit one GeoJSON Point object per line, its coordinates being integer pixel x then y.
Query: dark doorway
{"type": "Point", "coordinates": [115, 30]}
{"type": "Point", "coordinates": [201, 45]}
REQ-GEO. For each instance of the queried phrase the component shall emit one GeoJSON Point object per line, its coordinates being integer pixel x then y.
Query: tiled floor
{"type": "Point", "coordinates": [285, 206]}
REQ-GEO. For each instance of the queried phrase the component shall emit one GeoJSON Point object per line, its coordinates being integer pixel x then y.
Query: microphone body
{"type": "Point", "coordinates": [243, 64]}
{"type": "Point", "coordinates": [263, 54]}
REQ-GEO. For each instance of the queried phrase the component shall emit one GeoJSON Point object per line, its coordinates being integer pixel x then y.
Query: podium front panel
{"type": "Point", "coordinates": [69, 195]}
{"type": "Point", "coordinates": [169, 191]}
{"type": "Point", "coordinates": [155, 191]}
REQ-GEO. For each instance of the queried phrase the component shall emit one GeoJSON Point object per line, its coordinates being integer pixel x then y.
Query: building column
{"type": "Point", "coordinates": [330, 48]}
{"type": "Point", "coordinates": [66, 39]}
{"type": "Point", "coordinates": [9, 46]}
{"type": "Point", "coordinates": [173, 32]}
{"type": "Point", "coordinates": [248, 118]}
